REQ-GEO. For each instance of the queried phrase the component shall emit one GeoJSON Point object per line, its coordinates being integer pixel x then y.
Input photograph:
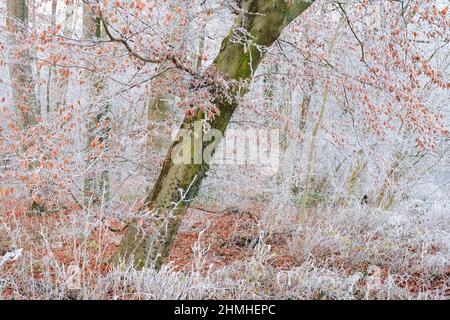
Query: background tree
{"type": "Point", "coordinates": [22, 77]}
{"type": "Point", "coordinates": [96, 185]}
{"type": "Point", "coordinates": [364, 144]}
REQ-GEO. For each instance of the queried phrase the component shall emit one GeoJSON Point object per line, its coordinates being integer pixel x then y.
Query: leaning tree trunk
{"type": "Point", "coordinates": [148, 241]}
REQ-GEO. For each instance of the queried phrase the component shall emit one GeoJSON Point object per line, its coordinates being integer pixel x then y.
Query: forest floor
{"type": "Point", "coordinates": [218, 245]}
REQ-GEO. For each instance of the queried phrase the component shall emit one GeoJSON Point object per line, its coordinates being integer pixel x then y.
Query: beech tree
{"type": "Point", "coordinates": [24, 90]}
{"type": "Point", "coordinates": [263, 20]}
{"type": "Point", "coordinates": [96, 185]}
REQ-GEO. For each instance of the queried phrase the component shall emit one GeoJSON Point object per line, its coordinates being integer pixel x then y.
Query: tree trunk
{"type": "Point", "coordinates": [63, 82]}
{"type": "Point", "coordinates": [24, 94]}
{"type": "Point", "coordinates": [148, 243]}
{"type": "Point", "coordinates": [50, 68]}
{"type": "Point", "coordinates": [312, 146]}
{"type": "Point", "coordinates": [69, 19]}
{"type": "Point", "coordinates": [96, 184]}
{"type": "Point", "coordinates": [21, 72]}
{"type": "Point", "coordinates": [201, 49]}
{"type": "Point", "coordinates": [159, 110]}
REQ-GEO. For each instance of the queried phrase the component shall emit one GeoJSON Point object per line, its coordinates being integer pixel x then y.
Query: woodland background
{"type": "Point", "coordinates": [91, 93]}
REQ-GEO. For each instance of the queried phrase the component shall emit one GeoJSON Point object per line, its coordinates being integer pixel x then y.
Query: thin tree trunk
{"type": "Point", "coordinates": [159, 109]}
{"type": "Point", "coordinates": [287, 112]}
{"type": "Point", "coordinates": [312, 146]}
{"type": "Point", "coordinates": [304, 107]}
{"type": "Point", "coordinates": [50, 68]}
{"type": "Point", "coordinates": [70, 18]}
{"type": "Point", "coordinates": [201, 49]}
{"type": "Point", "coordinates": [68, 33]}
{"type": "Point", "coordinates": [149, 243]}
{"type": "Point", "coordinates": [21, 72]}
{"type": "Point", "coordinates": [24, 94]}
{"type": "Point", "coordinates": [54, 9]}
{"type": "Point", "coordinates": [392, 178]}
{"type": "Point", "coordinates": [96, 184]}
{"type": "Point", "coordinates": [355, 175]}
{"type": "Point", "coordinates": [303, 120]}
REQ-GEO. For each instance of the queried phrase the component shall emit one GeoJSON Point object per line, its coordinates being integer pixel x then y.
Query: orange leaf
{"type": "Point", "coordinates": [94, 143]}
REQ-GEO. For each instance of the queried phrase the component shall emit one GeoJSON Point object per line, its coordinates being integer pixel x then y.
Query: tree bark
{"type": "Point", "coordinates": [50, 68]}
{"type": "Point", "coordinates": [159, 110]}
{"type": "Point", "coordinates": [315, 129]}
{"type": "Point", "coordinates": [148, 243]}
{"type": "Point", "coordinates": [21, 72]}
{"type": "Point", "coordinates": [96, 187]}
{"type": "Point", "coordinates": [24, 95]}
{"type": "Point", "coordinates": [63, 83]}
